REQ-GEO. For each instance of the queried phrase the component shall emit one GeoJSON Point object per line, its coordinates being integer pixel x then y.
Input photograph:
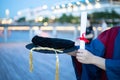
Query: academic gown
{"type": "Point", "coordinates": [106, 45]}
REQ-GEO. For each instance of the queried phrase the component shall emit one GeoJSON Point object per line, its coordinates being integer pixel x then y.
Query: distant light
{"type": "Point", "coordinates": [75, 8]}
{"type": "Point", "coordinates": [52, 8]}
{"type": "Point", "coordinates": [97, 5]}
{"type": "Point", "coordinates": [97, 0]}
{"type": "Point", "coordinates": [4, 21]}
{"type": "Point", "coordinates": [44, 7]}
{"type": "Point", "coordinates": [82, 7]}
{"type": "Point", "coordinates": [69, 9]}
{"type": "Point", "coordinates": [7, 12]}
{"type": "Point", "coordinates": [57, 7]}
{"type": "Point", "coordinates": [94, 28]}
{"type": "Point", "coordinates": [7, 21]}
{"type": "Point", "coordinates": [90, 6]}
{"type": "Point", "coordinates": [69, 4]}
{"type": "Point", "coordinates": [35, 28]}
{"type": "Point", "coordinates": [45, 23]}
{"type": "Point", "coordinates": [39, 19]}
{"type": "Point", "coordinates": [10, 21]}
{"type": "Point", "coordinates": [87, 1]}
{"type": "Point", "coordinates": [63, 5]}
{"type": "Point", "coordinates": [19, 13]}
{"type": "Point", "coordinates": [78, 3]}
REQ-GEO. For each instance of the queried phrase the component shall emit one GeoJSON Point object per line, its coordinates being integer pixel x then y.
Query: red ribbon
{"type": "Point", "coordinates": [83, 38]}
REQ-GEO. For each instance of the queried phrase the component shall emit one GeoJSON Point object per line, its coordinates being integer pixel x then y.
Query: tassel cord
{"type": "Point", "coordinates": [45, 48]}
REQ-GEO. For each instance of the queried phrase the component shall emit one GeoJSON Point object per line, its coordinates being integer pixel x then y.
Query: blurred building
{"type": "Point", "coordinates": [74, 8]}
{"type": "Point", "coordinates": [36, 14]}
{"type": "Point", "coordinates": [7, 19]}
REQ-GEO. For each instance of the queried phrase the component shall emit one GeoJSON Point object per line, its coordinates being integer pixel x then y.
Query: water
{"type": "Point", "coordinates": [24, 36]}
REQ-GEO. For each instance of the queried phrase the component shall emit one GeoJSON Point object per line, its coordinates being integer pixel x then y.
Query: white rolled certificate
{"type": "Point", "coordinates": [83, 28]}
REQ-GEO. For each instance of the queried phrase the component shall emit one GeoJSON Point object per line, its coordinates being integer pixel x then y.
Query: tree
{"type": "Point", "coordinates": [22, 19]}
{"type": "Point", "coordinates": [63, 18]}
{"type": "Point", "coordinates": [45, 19]}
{"type": "Point", "coordinates": [109, 16]}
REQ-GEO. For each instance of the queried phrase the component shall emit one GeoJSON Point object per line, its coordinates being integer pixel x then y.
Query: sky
{"type": "Point", "coordinates": [15, 5]}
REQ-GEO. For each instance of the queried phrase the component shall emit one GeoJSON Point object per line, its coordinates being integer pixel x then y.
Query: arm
{"type": "Point", "coordinates": [99, 62]}
{"type": "Point", "coordinates": [87, 57]}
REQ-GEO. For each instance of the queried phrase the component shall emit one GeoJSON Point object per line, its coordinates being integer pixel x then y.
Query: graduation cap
{"type": "Point", "coordinates": [49, 45]}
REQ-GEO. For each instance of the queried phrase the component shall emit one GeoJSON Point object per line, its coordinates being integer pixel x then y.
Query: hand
{"type": "Point", "coordinates": [84, 56]}
{"type": "Point", "coordinates": [87, 57]}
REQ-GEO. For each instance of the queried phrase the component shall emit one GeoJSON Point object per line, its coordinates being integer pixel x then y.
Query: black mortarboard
{"type": "Point", "coordinates": [56, 43]}
{"type": "Point", "coordinates": [50, 45]}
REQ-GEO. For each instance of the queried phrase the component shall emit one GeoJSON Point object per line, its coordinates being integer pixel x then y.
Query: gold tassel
{"type": "Point", "coordinates": [45, 48]}
{"type": "Point", "coordinates": [57, 67]}
{"type": "Point", "coordinates": [31, 61]}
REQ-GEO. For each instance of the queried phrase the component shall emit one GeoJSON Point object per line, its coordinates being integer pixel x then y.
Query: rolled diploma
{"type": "Point", "coordinates": [83, 28]}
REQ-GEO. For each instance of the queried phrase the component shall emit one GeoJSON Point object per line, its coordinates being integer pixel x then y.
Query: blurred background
{"type": "Point", "coordinates": [20, 20]}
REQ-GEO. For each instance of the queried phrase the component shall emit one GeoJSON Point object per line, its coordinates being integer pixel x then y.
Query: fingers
{"type": "Point", "coordinates": [80, 55]}
{"type": "Point", "coordinates": [83, 56]}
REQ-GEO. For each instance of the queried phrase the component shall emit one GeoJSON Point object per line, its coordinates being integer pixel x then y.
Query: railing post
{"type": "Point", "coordinates": [75, 32]}
{"type": "Point", "coordinates": [54, 32]}
{"type": "Point", "coordinates": [5, 33]}
{"type": "Point", "coordinates": [30, 33]}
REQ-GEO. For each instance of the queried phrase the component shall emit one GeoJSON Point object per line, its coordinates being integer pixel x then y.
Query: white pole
{"type": "Point", "coordinates": [5, 33]}
{"type": "Point", "coordinates": [54, 32]}
{"type": "Point", "coordinates": [30, 33]}
{"type": "Point", "coordinates": [75, 33]}
{"type": "Point", "coordinates": [83, 28]}
{"type": "Point", "coordinates": [7, 12]}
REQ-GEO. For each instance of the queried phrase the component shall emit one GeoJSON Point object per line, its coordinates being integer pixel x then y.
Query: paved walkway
{"type": "Point", "coordinates": [14, 64]}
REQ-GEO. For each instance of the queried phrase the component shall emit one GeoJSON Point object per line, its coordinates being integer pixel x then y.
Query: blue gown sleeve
{"type": "Point", "coordinates": [113, 69]}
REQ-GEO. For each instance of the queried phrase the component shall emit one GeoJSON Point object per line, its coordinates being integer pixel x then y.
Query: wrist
{"type": "Point", "coordinates": [98, 61]}
{"type": "Point", "coordinates": [94, 60]}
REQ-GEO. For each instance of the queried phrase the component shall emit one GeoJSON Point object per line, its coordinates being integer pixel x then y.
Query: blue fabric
{"type": "Point", "coordinates": [91, 72]}
{"type": "Point", "coordinates": [113, 65]}
{"type": "Point", "coordinates": [96, 47]}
